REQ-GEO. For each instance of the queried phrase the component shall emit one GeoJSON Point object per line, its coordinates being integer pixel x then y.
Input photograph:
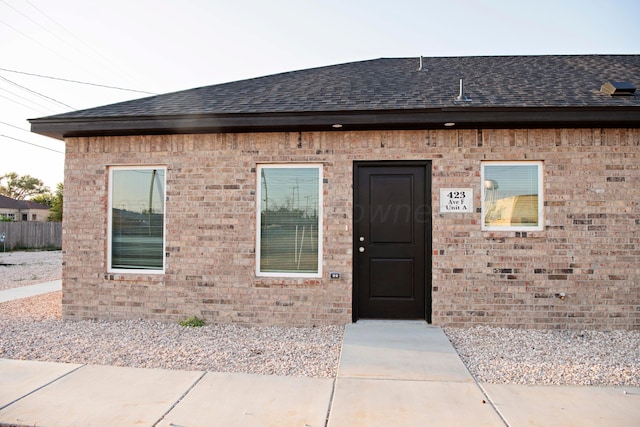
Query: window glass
{"type": "Point", "coordinates": [137, 204]}
{"type": "Point", "coordinates": [289, 229]}
{"type": "Point", "coordinates": [512, 195]}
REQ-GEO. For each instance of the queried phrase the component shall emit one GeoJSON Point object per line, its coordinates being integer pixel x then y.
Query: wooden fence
{"type": "Point", "coordinates": [30, 235]}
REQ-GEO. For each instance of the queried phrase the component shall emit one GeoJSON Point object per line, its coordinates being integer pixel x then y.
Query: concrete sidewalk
{"type": "Point", "coordinates": [30, 291]}
{"type": "Point", "coordinates": [408, 374]}
{"type": "Point", "coordinates": [391, 374]}
{"type": "Point", "coordinates": [66, 395]}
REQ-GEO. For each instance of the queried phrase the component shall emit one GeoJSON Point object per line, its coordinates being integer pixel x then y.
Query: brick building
{"type": "Point", "coordinates": [462, 191]}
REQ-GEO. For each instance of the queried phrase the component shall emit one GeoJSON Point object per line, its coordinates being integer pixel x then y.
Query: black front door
{"type": "Point", "coordinates": [392, 235]}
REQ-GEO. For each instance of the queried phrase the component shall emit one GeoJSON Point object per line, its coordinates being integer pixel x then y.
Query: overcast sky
{"type": "Point", "coordinates": [156, 46]}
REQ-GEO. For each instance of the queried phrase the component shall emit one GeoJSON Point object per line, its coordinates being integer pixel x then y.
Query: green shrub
{"type": "Point", "coordinates": [192, 322]}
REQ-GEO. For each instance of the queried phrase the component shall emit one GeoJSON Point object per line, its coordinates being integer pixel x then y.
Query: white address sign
{"type": "Point", "coordinates": [456, 200]}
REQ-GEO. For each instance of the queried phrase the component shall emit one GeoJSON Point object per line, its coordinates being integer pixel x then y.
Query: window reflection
{"type": "Point", "coordinates": [511, 195]}
{"type": "Point", "coordinates": [137, 218]}
{"type": "Point", "coordinates": [289, 219]}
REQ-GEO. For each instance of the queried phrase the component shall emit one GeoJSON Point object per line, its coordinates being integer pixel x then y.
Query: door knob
{"type": "Point", "coordinates": [361, 249]}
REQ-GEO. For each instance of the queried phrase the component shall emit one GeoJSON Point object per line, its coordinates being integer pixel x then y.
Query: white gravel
{"type": "Point", "coordinates": [558, 357]}
{"type": "Point", "coordinates": [28, 268]}
{"type": "Point", "coordinates": [308, 352]}
{"type": "Point", "coordinates": [32, 329]}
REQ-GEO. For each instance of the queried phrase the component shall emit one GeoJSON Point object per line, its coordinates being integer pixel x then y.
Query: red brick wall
{"type": "Point", "coordinates": [587, 250]}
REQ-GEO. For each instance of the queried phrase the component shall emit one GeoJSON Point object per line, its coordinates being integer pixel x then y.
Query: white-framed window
{"type": "Point", "coordinates": [512, 196]}
{"type": "Point", "coordinates": [289, 225]}
{"type": "Point", "coordinates": [136, 226]}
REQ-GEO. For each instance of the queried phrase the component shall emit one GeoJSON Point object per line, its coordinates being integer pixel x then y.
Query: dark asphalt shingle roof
{"type": "Point", "coordinates": [520, 81]}
{"type": "Point", "coordinates": [9, 203]}
{"type": "Point", "coordinates": [397, 84]}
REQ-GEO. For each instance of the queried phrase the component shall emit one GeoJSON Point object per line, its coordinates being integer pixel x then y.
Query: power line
{"type": "Point", "coordinates": [36, 93]}
{"type": "Point", "coordinates": [60, 26]}
{"type": "Point", "coordinates": [31, 143]}
{"type": "Point", "coordinates": [14, 126]}
{"type": "Point", "coordinates": [20, 128]}
{"type": "Point", "coordinates": [62, 54]}
{"type": "Point", "coordinates": [47, 16]}
{"type": "Point", "coordinates": [35, 22]}
{"type": "Point", "coordinates": [105, 60]}
{"type": "Point", "coordinates": [23, 34]}
{"type": "Point", "coordinates": [24, 105]}
{"type": "Point", "coordinates": [76, 81]}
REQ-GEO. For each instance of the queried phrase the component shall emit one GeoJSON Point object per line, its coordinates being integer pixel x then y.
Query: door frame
{"type": "Point", "coordinates": [428, 230]}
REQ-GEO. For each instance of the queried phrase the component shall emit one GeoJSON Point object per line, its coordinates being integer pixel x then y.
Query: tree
{"type": "Point", "coordinates": [54, 201]}
{"type": "Point", "coordinates": [44, 199]}
{"type": "Point", "coordinates": [55, 214]}
{"type": "Point", "coordinates": [21, 187]}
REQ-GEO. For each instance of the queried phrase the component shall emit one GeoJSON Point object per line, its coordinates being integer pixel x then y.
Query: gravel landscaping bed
{"type": "Point", "coordinates": [558, 357]}
{"type": "Point", "coordinates": [32, 329]}
{"type": "Point", "coordinates": [28, 268]}
{"type": "Point", "coordinates": [308, 352]}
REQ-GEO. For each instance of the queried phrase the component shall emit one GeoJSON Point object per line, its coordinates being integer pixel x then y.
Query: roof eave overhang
{"type": "Point", "coordinates": [459, 118]}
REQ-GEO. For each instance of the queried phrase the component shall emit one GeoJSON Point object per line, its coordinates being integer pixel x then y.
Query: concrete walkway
{"type": "Point", "coordinates": [30, 291]}
{"type": "Point", "coordinates": [405, 374]}
{"type": "Point", "coordinates": [390, 374]}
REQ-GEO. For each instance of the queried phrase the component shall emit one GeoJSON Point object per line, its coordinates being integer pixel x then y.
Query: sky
{"type": "Point", "coordinates": [65, 55]}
